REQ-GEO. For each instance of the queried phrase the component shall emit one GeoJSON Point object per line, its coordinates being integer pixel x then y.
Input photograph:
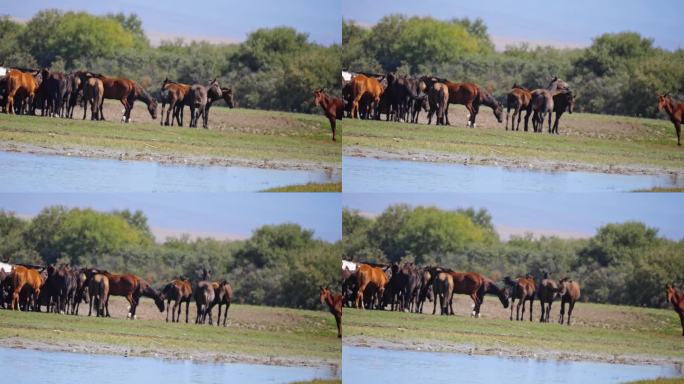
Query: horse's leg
{"type": "Point", "coordinates": [562, 311]}
{"type": "Point", "coordinates": [469, 107]}
{"type": "Point", "coordinates": [678, 129]}
{"type": "Point", "coordinates": [681, 320]}
{"type": "Point", "coordinates": [225, 313]}
{"type": "Point", "coordinates": [512, 305]}
{"type": "Point", "coordinates": [187, 310]}
{"type": "Point", "coordinates": [332, 126]}
{"type": "Point", "coordinates": [531, 307]}
{"type": "Point", "coordinates": [131, 304]}
{"type": "Point", "coordinates": [571, 306]}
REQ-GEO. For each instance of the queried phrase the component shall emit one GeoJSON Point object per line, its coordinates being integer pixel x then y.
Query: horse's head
{"type": "Point", "coordinates": [319, 95]}
{"type": "Point", "coordinates": [504, 297]}
{"type": "Point", "coordinates": [671, 292]}
{"type": "Point", "coordinates": [563, 286]}
{"type": "Point", "coordinates": [324, 293]}
{"type": "Point", "coordinates": [228, 97]}
{"type": "Point", "coordinates": [663, 101]}
{"type": "Point", "coordinates": [498, 112]}
{"type": "Point", "coordinates": [152, 108]}
{"type": "Point", "coordinates": [214, 90]}
{"type": "Point", "coordinates": [159, 301]}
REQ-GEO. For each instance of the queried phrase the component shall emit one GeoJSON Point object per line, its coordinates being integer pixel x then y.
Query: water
{"type": "Point", "coordinates": [373, 175]}
{"type": "Point", "coordinates": [398, 367]}
{"type": "Point", "coordinates": [21, 172]}
{"type": "Point", "coordinates": [31, 366]}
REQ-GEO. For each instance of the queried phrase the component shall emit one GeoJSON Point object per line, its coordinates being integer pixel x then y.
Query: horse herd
{"type": "Point", "coordinates": [407, 287]}
{"type": "Point", "coordinates": [23, 91]}
{"type": "Point", "coordinates": [61, 289]}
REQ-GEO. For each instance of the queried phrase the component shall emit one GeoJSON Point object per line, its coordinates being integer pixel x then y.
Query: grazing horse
{"type": "Point", "coordinates": [368, 275]}
{"type": "Point", "coordinates": [200, 99]}
{"type": "Point", "coordinates": [26, 280]}
{"type": "Point", "coordinates": [179, 291]}
{"type": "Point", "coordinates": [20, 84]}
{"type": "Point", "coordinates": [472, 96]}
{"type": "Point", "coordinates": [93, 92]}
{"type": "Point", "coordinates": [542, 103]}
{"type": "Point", "coordinates": [333, 107]}
{"type": "Point", "coordinates": [363, 85]}
{"type": "Point", "coordinates": [675, 110]}
{"type": "Point", "coordinates": [223, 295]}
{"type": "Point", "coordinates": [443, 287]}
{"type": "Point", "coordinates": [569, 293]}
{"type": "Point", "coordinates": [127, 92]}
{"type": "Point", "coordinates": [522, 289]}
{"type": "Point", "coordinates": [547, 292]}
{"type": "Point", "coordinates": [334, 302]}
{"type": "Point", "coordinates": [98, 289]}
{"type": "Point", "coordinates": [519, 98]}
{"type": "Point", "coordinates": [132, 288]}
{"type": "Point", "coordinates": [562, 101]}
{"type": "Point", "coordinates": [174, 94]}
{"type": "Point", "coordinates": [476, 286]}
{"type": "Point", "coordinates": [677, 300]}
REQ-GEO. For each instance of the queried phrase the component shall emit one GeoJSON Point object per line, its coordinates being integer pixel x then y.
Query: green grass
{"type": "Point", "coordinates": [647, 142]}
{"type": "Point", "coordinates": [239, 133]}
{"type": "Point", "coordinates": [613, 330]}
{"type": "Point", "coordinates": [305, 334]}
{"type": "Point", "coordinates": [310, 187]}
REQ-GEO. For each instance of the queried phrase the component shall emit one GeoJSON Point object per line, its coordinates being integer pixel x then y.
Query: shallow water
{"type": "Point", "coordinates": [373, 175]}
{"type": "Point", "coordinates": [32, 366]}
{"type": "Point", "coordinates": [21, 172]}
{"type": "Point", "coordinates": [397, 367]}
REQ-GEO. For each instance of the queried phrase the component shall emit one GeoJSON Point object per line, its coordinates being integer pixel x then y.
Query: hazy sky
{"type": "Point", "coordinates": [560, 23]}
{"type": "Point", "coordinates": [566, 215]}
{"type": "Point", "coordinates": [221, 215]}
{"type": "Point", "coordinates": [212, 20]}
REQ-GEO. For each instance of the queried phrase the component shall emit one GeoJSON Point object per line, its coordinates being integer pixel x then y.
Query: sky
{"type": "Point", "coordinates": [224, 216]}
{"type": "Point", "coordinates": [569, 215]}
{"type": "Point", "coordinates": [541, 22]}
{"type": "Point", "coordinates": [217, 21]}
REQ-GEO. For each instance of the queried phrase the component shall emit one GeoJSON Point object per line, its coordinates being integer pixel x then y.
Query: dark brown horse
{"type": "Point", "coordinates": [223, 295]}
{"type": "Point", "coordinates": [562, 101]}
{"type": "Point", "coordinates": [132, 288]}
{"type": "Point", "coordinates": [127, 92]}
{"type": "Point", "coordinates": [204, 296]}
{"type": "Point", "coordinates": [333, 107]}
{"type": "Point", "coordinates": [522, 289]}
{"type": "Point", "coordinates": [677, 300]}
{"type": "Point", "coordinates": [547, 292]}
{"type": "Point", "coordinates": [519, 98]}
{"type": "Point", "coordinates": [569, 293]}
{"type": "Point", "coordinates": [472, 96]}
{"type": "Point", "coordinates": [174, 94]}
{"type": "Point", "coordinates": [675, 110]}
{"type": "Point", "coordinates": [363, 85]}
{"type": "Point", "coordinates": [476, 286]}
{"type": "Point", "coordinates": [179, 291]}
{"type": "Point", "coordinates": [200, 99]}
{"type": "Point", "coordinates": [334, 303]}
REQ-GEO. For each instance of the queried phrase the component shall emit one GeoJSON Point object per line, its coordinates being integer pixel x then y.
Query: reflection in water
{"type": "Point", "coordinates": [40, 173]}
{"type": "Point", "coordinates": [373, 175]}
{"type": "Point", "coordinates": [398, 367]}
{"type": "Point", "coordinates": [31, 366]}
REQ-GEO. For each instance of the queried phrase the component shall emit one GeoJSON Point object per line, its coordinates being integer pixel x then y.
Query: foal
{"type": "Point", "coordinates": [334, 302]}
{"type": "Point", "coordinates": [333, 107]}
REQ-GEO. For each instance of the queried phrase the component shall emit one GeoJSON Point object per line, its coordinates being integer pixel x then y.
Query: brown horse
{"type": "Point", "coordinates": [547, 292]}
{"type": "Point", "coordinates": [204, 296]}
{"type": "Point", "coordinates": [93, 92]}
{"type": "Point", "coordinates": [541, 104]}
{"type": "Point", "coordinates": [522, 289]}
{"type": "Point", "coordinates": [675, 110]}
{"type": "Point", "coordinates": [98, 289]}
{"type": "Point", "coordinates": [334, 302]}
{"type": "Point", "coordinates": [677, 300]}
{"type": "Point", "coordinates": [127, 92]}
{"type": "Point", "coordinates": [438, 100]}
{"type": "Point", "coordinates": [569, 293]}
{"type": "Point", "coordinates": [132, 288]}
{"type": "Point", "coordinates": [519, 98]}
{"type": "Point", "coordinates": [443, 288]}
{"type": "Point", "coordinates": [367, 275]}
{"type": "Point", "coordinates": [223, 295]}
{"type": "Point", "coordinates": [476, 286]}
{"type": "Point", "coordinates": [333, 107]}
{"type": "Point", "coordinates": [562, 101]}
{"type": "Point", "coordinates": [174, 94]}
{"type": "Point", "coordinates": [179, 291]}
{"type": "Point", "coordinates": [200, 99]}
{"type": "Point", "coordinates": [365, 85]}
{"type": "Point", "coordinates": [22, 85]}
{"type": "Point", "coordinates": [28, 281]}
{"type": "Point", "coordinates": [472, 96]}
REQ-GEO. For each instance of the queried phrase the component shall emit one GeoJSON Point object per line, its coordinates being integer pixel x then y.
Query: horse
{"type": "Point", "coordinates": [223, 295]}
{"type": "Point", "coordinates": [59, 286]}
{"type": "Point", "coordinates": [132, 288]}
{"type": "Point", "coordinates": [541, 104]}
{"type": "Point", "coordinates": [562, 101]}
{"type": "Point", "coordinates": [675, 110]}
{"type": "Point", "coordinates": [174, 94]}
{"type": "Point", "coordinates": [204, 297]}
{"type": "Point", "coordinates": [51, 92]}
{"type": "Point", "coordinates": [547, 292]}
{"type": "Point", "coordinates": [472, 96]}
{"type": "Point", "coordinates": [425, 292]}
{"type": "Point", "coordinates": [200, 99]}
{"type": "Point", "coordinates": [400, 92]}
{"type": "Point", "coordinates": [476, 286]}
{"type": "Point", "coordinates": [677, 300]}
{"type": "Point", "coordinates": [519, 98]}
{"type": "Point", "coordinates": [26, 280]}
{"type": "Point", "coordinates": [333, 108]}
{"type": "Point", "coordinates": [443, 288]}
{"type": "Point", "coordinates": [368, 275]}
{"type": "Point", "coordinates": [228, 96]}
{"type": "Point", "coordinates": [93, 92]}
{"type": "Point", "coordinates": [569, 293]}
{"type": "Point", "coordinates": [362, 85]}
{"type": "Point", "coordinates": [179, 291]}
{"type": "Point", "coordinates": [98, 289]}
{"type": "Point", "coordinates": [22, 85]}
{"type": "Point", "coordinates": [557, 84]}
{"type": "Point", "coordinates": [438, 99]}
{"type": "Point", "coordinates": [522, 289]}
{"type": "Point", "coordinates": [127, 92]}
{"type": "Point", "coordinates": [334, 303]}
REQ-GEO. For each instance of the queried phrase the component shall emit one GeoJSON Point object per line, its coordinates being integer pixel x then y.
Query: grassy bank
{"type": "Point", "coordinates": [311, 187]}
{"type": "Point", "coordinates": [254, 334]}
{"type": "Point", "coordinates": [258, 138]}
{"type": "Point", "coordinates": [586, 141]}
{"type": "Point", "coordinates": [612, 333]}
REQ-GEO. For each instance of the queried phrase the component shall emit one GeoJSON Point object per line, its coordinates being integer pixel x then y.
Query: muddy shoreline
{"type": "Point", "coordinates": [533, 165]}
{"type": "Point", "coordinates": [508, 351]}
{"type": "Point", "coordinates": [184, 354]}
{"type": "Point", "coordinates": [175, 159]}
